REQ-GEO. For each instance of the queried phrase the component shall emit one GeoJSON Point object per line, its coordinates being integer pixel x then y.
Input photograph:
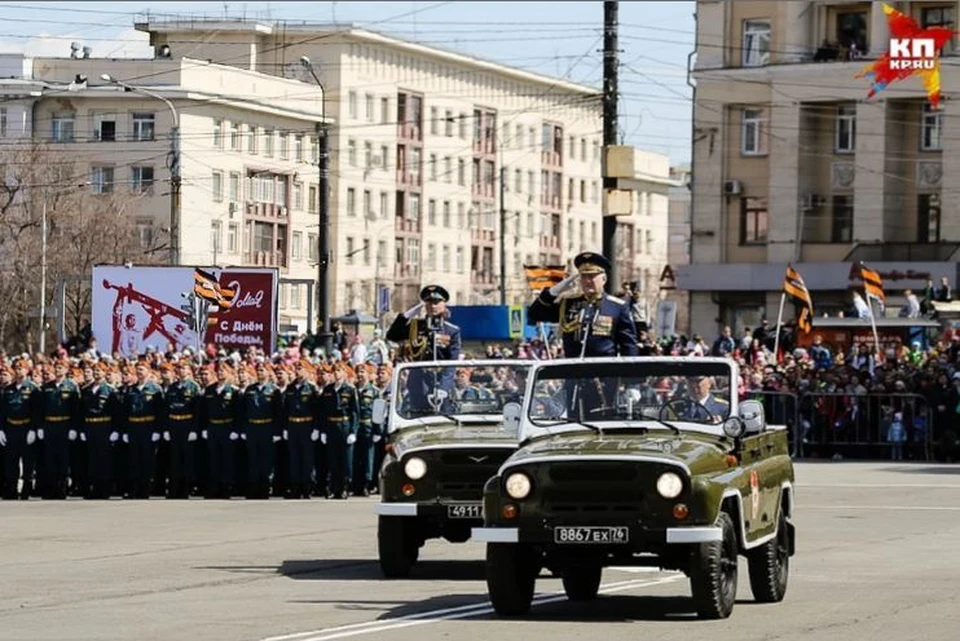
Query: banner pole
{"type": "Point", "coordinates": [776, 340]}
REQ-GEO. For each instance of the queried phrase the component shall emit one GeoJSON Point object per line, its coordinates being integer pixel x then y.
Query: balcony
{"type": "Point", "coordinates": [266, 210]}
{"type": "Point", "coordinates": [484, 147]}
{"type": "Point", "coordinates": [407, 225]}
{"type": "Point", "coordinates": [551, 158]}
{"type": "Point", "coordinates": [550, 202]}
{"type": "Point", "coordinates": [409, 132]}
{"type": "Point", "coordinates": [550, 242]}
{"type": "Point", "coordinates": [408, 270]}
{"type": "Point", "coordinates": [409, 179]}
{"type": "Point", "coordinates": [265, 259]}
{"type": "Point", "coordinates": [483, 236]}
{"type": "Point", "coordinates": [483, 277]}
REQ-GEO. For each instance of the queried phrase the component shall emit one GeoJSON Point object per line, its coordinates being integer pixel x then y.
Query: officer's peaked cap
{"type": "Point", "coordinates": [591, 263]}
{"type": "Point", "coordinates": [434, 293]}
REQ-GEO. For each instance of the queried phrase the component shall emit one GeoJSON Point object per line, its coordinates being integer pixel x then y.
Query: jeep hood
{"type": "Point", "coordinates": [470, 435]}
{"type": "Point", "coordinates": [701, 454]}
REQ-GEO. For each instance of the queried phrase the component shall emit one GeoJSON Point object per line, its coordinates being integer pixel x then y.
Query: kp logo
{"type": "Point", "coordinates": [913, 51]}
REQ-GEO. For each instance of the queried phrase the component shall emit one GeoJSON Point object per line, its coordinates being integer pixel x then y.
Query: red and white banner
{"type": "Point", "coordinates": [139, 307]}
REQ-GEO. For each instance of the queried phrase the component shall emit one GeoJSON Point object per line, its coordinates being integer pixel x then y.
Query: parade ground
{"type": "Point", "coordinates": [876, 559]}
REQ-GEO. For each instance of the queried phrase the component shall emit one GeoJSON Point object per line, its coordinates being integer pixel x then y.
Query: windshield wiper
{"type": "Point", "coordinates": [567, 421]}
{"type": "Point", "coordinates": [676, 430]}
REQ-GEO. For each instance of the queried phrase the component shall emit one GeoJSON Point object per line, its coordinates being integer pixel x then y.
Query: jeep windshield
{"type": "Point", "coordinates": [630, 393]}
{"type": "Point", "coordinates": [462, 391]}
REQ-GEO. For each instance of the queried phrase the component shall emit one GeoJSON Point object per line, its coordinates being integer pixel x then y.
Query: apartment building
{"type": "Point", "coordinates": [792, 164]}
{"type": "Point", "coordinates": [678, 246]}
{"type": "Point", "coordinates": [247, 154]}
{"type": "Point", "coordinates": [424, 143]}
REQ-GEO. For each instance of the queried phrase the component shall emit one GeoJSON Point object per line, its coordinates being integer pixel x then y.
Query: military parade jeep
{"type": "Point", "coordinates": [446, 437]}
{"type": "Point", "coordinates": [644, 462]}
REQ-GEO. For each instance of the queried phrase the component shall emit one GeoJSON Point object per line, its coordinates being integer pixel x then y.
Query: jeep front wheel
{"type": "Point", "coordinates": [769, 565]}
{"type": "Point", "coordinates": [581, 583]}
{"type": "Point", "coordinates": [398, 545]}
{"type": "Point", "coordinates": [713, 573]}
{"type": "Point", "coordinates": [511, 577]}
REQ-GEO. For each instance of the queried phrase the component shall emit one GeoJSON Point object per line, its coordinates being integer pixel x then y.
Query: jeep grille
{"type": "Point", "coordinates": [461, 474]}
{"type": "Point", "coordinates": [592, 488]}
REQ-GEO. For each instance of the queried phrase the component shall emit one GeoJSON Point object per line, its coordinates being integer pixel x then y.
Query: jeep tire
{"type": "Point", "coordinates": [769, 565]}
{"type": "Point", "coordinates": [397, 545]}
{"type": "Point", "coordinates": [581, 583]}
{"type": "Point", "coordinates": [511, 576]}
{"type": "Point", "coordinates": [713, 573]}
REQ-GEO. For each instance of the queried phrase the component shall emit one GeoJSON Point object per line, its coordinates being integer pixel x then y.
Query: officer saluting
{"type": "Point", "coordinates": [604, 320]}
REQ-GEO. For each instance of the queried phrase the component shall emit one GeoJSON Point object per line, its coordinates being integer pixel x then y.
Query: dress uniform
{"type": "Point", "coordinates": [364, 448]}
{"type": "Point", "coordinates": [143, 410]}
{"type": "Point", "coordinates": [259, 413]}
{"type": "Point", "coordinates": [281, 467]}
{"type": "Point", "coordinates": [384, 376]}
{"type": "Point", "coordinates": [20, 412]}
{"type": "Point", "coordinates": [340, 408]}
{"type": "Point", "coordinates": [300, 416]}
{"type": "Point", "coordinates": [182, 400]}
{"type": "Point", "coordinates": [218, 417]}
{"type": "Point", "coordinates": [79, 475]}
{"type": "Point", "coordinates": [431, 338]}
{"type": "Point", "coordinates": [99, 409]}
{"type": "Point", "coordinates": [60, 408]}
{"type": "Point", "coordinates": [699, 389]}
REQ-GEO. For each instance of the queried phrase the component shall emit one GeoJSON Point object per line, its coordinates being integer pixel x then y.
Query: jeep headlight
{"type": "Point", "coordinates": [669, 485]}
{"type": "Point", "coordinates": [415, 468]}
{"type": "Point", "coordinates": [518, 485]}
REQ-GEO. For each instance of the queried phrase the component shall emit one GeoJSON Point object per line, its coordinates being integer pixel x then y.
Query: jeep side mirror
{"type": "Point", "coordinates": [379, 411]}
{"type": "Point", "coordinates": [511, 417]}
{"type": "Point", "coordinates": [734, 427]}
{"type": "Point", "coordinates": [751, 412]}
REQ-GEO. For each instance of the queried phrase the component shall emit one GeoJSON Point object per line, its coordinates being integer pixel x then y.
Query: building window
{"type": "Point", "coordinates": [216, 229]}
{"type": "Point", "coordinates": [459, 259]}
{"type": "Point", "coordinates": [448, 123]}
{"type": "Point", "coordinates": [312, 248]}
{"type": "Point", "coordinates": [142, 180]}
{"type": "Point", "coordinates": [928, 218]}
{"type": "Point", "coordinates": [753, 133]}
{"type": "Point", "coordinates": [233, 231]}
{"type": "Point", "coordinates": [842, 223]}
{"type": "Point", "coordinates": [413, 252]}
{"type": "Point", "coordinates": [63, 128]}
{"type": "Point", "coordinates": [284, 146]}
{"type": "Point", "coordinates": [217, 186]}
{"type": "Point", "coordinates": [268, 142]}
{"type": "Point", "coordinates": [433, 166]}
{"type": "Point", "coordinates": [446, 213]}
{"type": "Point", "coordinates": [434, 121]}
{"type": "Point", "coordinates": [235, 136]}
{"type": "Point", "coordinates": [252, 139]}
{"type": "Point", "coordinates": [846, 138]}
{"type": "Point", "coordinates": [351, 202]}
{"type": "Point", "coordinates": [298, 148]}
{"type": "Point", "coordinates": [938, 17]}
{"type": "Point", "coordinates": [852, 31]}
{"type": "Point", "coordinates": [384, 157]}
{"type": "Point", "coordinates": [753, 221]}
{"type": "Point", "coordinates": [352, 104]}
{"type": "Point", "coordinates": [445, 260]}
{"type": "Point", "coordinates": [352, 152]}
{"type": "Point", "coordinates": [105, 128]}
{"type": "Point", "coordinates": [431, 259]}
{"type": "Point", "coordinates": [431, 212]}
{"type": "Point", "coordinates": [931, 128]}
{"type": "Point", "coordinates": [381, 253]}
{"type": "Point", "coordinates": [3, 121]}
{"type": "Point", "coordinates": [368, 107]}
{"type": "Point", "coordinates": [366, 251]}
{"type": "Point", "coordinates": [102, 180]}
{"type": "Point", "coordinates": [144, 127]}
{"type": "Point", "coordinates": [756, 43]}
{"type": "Point", "coordinates": [384, 111]}
{"type": "Point", "coordinates": [384, 204]}
{"type": "Point", "coordinates": [298, 196]}
{"type": "Point", "coordinates": [312, 199]}
{"type": "Point", "coordinates": [348, 254]}
{"type": "Point", "coordinates": [368, 204]}
{"type": "Point", "coordinates": [447, 169]}
{"type": "Point", "coordinates": [461, 172]}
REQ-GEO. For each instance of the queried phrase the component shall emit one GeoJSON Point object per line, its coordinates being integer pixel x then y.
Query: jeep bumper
{"type": "Point", "coordinates": [670, 536]}
{"type": "Point", "coordinates": [452, 510]}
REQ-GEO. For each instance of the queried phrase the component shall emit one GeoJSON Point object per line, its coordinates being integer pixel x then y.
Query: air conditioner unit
{"type": "Point", "coordinates": [732, 188]}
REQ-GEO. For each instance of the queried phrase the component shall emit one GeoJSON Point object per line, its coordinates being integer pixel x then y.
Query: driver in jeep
{"type": "Point", "coordinates": [699, 390]}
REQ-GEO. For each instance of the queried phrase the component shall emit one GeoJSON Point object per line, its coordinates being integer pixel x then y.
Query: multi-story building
{"type": "Point", "coordinates": [678, 245]}
{"type": "Point", "coordinates": [427, 147]}
{"type": "Point", "coordinates": [246, 160]}
{"type": "Point", "coordinates": [792, 164]}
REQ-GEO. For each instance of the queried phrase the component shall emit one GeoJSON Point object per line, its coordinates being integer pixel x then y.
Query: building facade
{"type": "Point", "coordinates": [678, 246]}
{"type": "Point", "coordinates": [792, 163]}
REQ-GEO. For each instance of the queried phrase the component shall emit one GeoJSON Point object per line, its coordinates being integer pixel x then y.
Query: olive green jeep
{"type": "Point", "coordinates": [445, 438]}
{"type": "Point", "coordinates": [644, 462]}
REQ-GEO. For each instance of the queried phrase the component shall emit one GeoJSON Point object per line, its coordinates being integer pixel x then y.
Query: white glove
{"type": "Point", "coordinates": [72, 435]}
{"type": "Point", "coordinates": [286, 437]}
{"type": "Point", "coordinates": [40, 434]}
{"type": "Point", "coordinates": [276, 439]}
{"type": "Point", "coordinates": [155, 437]}
{"type": "Point", "coordinates": [204, 434]}
{"type": "Point", "coordinates": [166, 436]}
{"type": "Point", "coordinates": [3, 439]}
{"type": "Point", "coordinates": [351, 439]}
{"type": "Point", "coordinates": [413, 311]}
{"type": "Point", "coordinates": [31, 437]}
{"type": "Point", "coordinates": [234, 436]}
{"type": "Point", "coordinates": [126, 438]}
{"type": "Point", "coordinates": [113, 437]}
{"type": "Point", "coordinates": [323, 438]}
{"type": "Point", "coordinates": [563, 285]}
{"type": "Point", "coordinates": [243, 437]}
{"type": "Point", "coordinates": [314, 435]}
{"type": "Point", "coordinates": [83, 436]}
{"type": "Point", "coordinates": [376, 438]}
{"type": "Point", "coordinates": [191, 436]}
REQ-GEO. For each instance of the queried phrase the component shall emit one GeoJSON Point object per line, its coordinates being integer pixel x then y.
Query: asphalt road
{"type": "Point", "coordinates": [877, 559]}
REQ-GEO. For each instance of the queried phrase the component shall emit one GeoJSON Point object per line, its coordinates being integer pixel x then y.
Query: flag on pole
{"type": "Point", "coordinates": [872, 284]}
{"type": "Point", "coordinates": [206, 287]}
{"type": "Point", "coordinates": [539, 277]}
{"type": "Point", "coordinates": [796, 289]}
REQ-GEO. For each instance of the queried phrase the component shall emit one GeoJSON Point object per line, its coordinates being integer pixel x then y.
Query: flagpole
{"type": "Point", "coordinates": [776, 340]}
{"type": "Point", "coordinates": [873, 323]}
{"type": "Point", "coordinates": [543, 336]}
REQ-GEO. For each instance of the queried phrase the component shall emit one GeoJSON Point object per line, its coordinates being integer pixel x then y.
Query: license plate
{"type": "Point", "coordinates": [471, 511]}
{"type": "Point", "coordinates": [591, 535]}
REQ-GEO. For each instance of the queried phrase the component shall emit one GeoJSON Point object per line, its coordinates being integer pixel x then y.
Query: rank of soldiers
{"type": "Point", "coordinates": [99, 430]}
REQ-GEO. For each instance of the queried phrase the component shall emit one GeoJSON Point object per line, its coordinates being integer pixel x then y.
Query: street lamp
{"type": "Point", "coordinates": [174, 163]}
{"type": "Point", "coordinates": [323, 243]}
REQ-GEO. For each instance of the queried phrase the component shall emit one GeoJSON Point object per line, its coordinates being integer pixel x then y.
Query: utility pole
{"type": "Point", "coordinates": [610, 64]}
{"type": "Point", "coordinates": [503, 237]}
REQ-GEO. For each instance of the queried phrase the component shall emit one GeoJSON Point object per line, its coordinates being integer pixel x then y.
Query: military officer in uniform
{"type": "Point", "coordinates": [384, 376]}
{"type": "Point", "coordinates": [281, 458]}
{"type": "Point", "coordinates": [182, 399]}
{"type": "Point", "coordinates": [431, 338]}
{"type": "Point", "coordinates": [20, 411]}
{"type": "Point", "coordinates": [340, 409]}
{"type": "Point", "coordinates": [700, 390]}
{"type": "Point", "coordinates": [61, 411]}
{"type": "Point", "coordinates": [218, 412]}
{"type": "Point", "coordinates": [300, 414]}
{"type": "Point", "coordinates": [99, 409]}
{"type": "Point", "coordinates": [364, 448]}
{"type": "Point", "coordinates": [143, 408]}
{"type": "Point", "coordinates": [604, 320]}
{"type": "Point", "coordinates": [259, 413]}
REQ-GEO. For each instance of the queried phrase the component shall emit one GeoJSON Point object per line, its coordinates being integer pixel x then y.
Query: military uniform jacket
{"type": "Point", "coordinates": [260, 406]}
{"type": "Point", "coordinates": [182, 400]}
{"type": "Point", "coordinates": [61, 405]}
{"type": "Point", "coordinates": [340, 408]}
{"type": "Point", "coordinates": [143, 407]}
{"type": "Point", "coordinates": [99, 405]}
{"type": "Point", "coordinates": [218, 407]}
{"type": "Point", "coordinates": [20, 406]}
{"type": "Point", "coordinates": [420, 339]}
{"type": "Point", "coordinates": [301, 407]}
{"type": "Point", "coordinates": [366, 395]}
{"type": "Point", "coordinates": [612, 331]}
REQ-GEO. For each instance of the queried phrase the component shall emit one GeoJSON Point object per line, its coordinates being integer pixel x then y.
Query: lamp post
{"type": "Point", "coordinates": [174, 163]}
{"type": "Point", "coordinates": [323, 185]}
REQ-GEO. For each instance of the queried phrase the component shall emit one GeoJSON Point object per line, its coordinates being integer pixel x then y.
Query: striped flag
{"type": "Point", "coordinates": [796, 289]}
{"type": "Point", "coordinates": [872, 283]}
{"type": "Point", "coordinates": [206, 287]}
{"type": "Point", "coordinates": [539, 277]}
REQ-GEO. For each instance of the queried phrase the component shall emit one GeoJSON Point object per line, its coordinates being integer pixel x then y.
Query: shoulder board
{"type": "Point", "coordinates": [616, 300]}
